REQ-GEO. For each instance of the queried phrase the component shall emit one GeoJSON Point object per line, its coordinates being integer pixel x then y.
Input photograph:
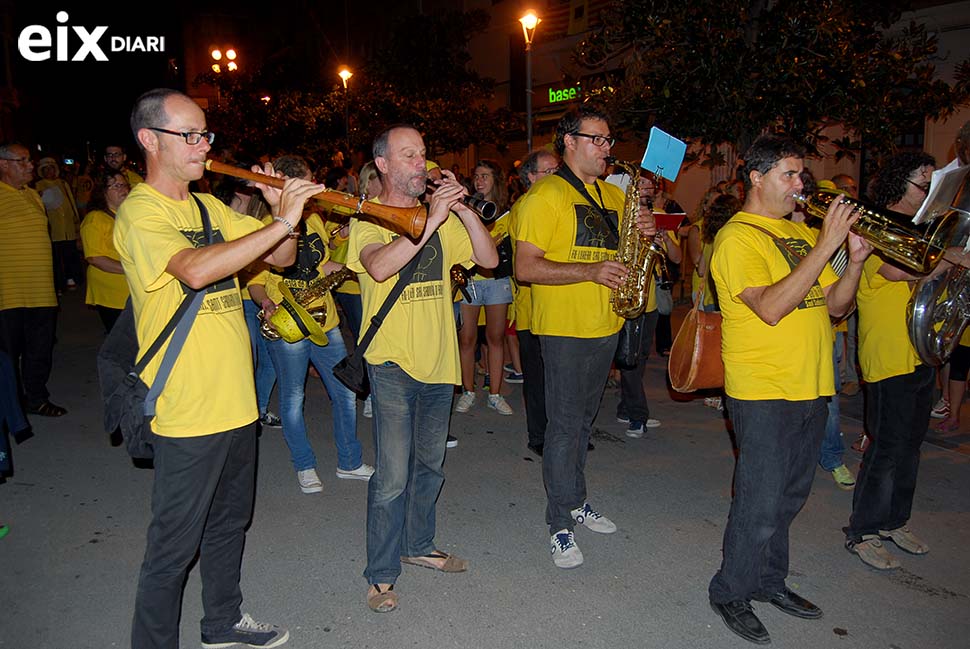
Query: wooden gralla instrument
{"type": "Point", "coordinates": [408, 221]}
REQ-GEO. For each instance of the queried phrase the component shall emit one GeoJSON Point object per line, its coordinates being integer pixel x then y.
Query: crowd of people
{"type": "Point", "coordinates": [524, 297]}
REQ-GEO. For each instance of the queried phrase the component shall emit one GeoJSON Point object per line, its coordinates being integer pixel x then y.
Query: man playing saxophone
{"type": "Point", "coordinates": [777, 292]}
{"type": "Point", "coordinates": [566, 240]}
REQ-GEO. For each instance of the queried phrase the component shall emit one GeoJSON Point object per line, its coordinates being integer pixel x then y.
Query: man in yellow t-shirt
{"type": "Point", "coordinates": [566, 240]}
{"type": "Point", "coordinates": [205, 432]}
{"type": "Point", "coordinates": [65, 222]}
{"type": "Point", "coordinates": [412, 361]}
{"type": "Point", "coordinates": [777, 293]}
{"type": "Point", "coordinates": [116, 158]}
{"type": "Point", "coordinates": [28, 305]}
{"type": "Point", "coordinates": [899, 387]}
{"type": "Point", "coordinates": [537, 164]}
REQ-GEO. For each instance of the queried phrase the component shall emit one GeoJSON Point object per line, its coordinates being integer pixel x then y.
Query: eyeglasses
{"type": "Point", "coordinates": [118, 186]}
{"type": "Point", "coordinates": [546, 172]}
{"type": "Point", "coordinates": [17, 160]}
{"type": "Point", "coordinates": [598, 140]}
{"type": "Point", "coordinates": [191, 137]}
{"type": "Point", "coordinates": [925, 188]}
{"type": "Point", "coordinates": [114, 155]}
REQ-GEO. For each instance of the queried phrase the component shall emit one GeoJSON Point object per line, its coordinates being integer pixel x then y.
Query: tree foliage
{"type": "Point", "coordinates": [420, 76]}
{"type": "Point", "coordinates": [726, 71]}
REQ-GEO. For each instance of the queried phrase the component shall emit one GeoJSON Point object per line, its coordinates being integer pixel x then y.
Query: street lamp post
{"type": "Point", "coordinates": [529, 23]}
{"type": "Point", "coordinates": [345, 75]}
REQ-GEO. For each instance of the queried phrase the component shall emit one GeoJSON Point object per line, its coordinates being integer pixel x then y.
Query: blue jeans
{"type": "Point", "coordinates": [291, 361]}
{"type": "Point", "coordinates": [576, 370]}
{"type": "Point", "coordinates": [265, 370]}
{"type": "Point", "coordinates": [410, 432]}
{"type": "Point", "coordinates": [897, 416]}
{"type": "Point", "coordinates": [830, 457]}
{"type": "Point", "coordinates": [352, 308]}
{"type": "Point", "coordinates": [778, 444]}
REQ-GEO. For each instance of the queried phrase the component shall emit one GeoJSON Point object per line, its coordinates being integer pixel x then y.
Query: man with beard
{"type": "Point", "coordinates": [412, 360]}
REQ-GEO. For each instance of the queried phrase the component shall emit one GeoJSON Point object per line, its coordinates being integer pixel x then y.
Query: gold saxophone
{"type": "Point", "coordinates": [635, 251]}
{"type": "Point", "coordinates": [270, 327]}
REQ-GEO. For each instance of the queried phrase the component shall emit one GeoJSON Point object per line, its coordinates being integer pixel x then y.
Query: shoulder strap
{"type": "Point", "coordinates": [378, 319]}
{"type": "Point", "coordinates": [567, 174]}
{"type": "Point", "coordinates": [775, 237]}
{"type": "Point", "coordinates": [181, 322]}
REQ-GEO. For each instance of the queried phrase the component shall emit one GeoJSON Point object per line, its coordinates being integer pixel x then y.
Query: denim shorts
{"type": "Point", "coordinates": [489, 291]}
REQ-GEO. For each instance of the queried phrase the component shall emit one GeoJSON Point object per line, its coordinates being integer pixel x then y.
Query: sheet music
{"type": "Point", "coordinates": [945, 183]}
{"type": "Point", "coordinates": [664, 154]}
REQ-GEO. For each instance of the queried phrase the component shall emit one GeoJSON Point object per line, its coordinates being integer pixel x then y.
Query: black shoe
{"type": "Point", "coordinates": [793, 604]}
{"type": "Point", "coordinates": [536, 448]}
{"type": "Point", "coordinates": [590, 447]}
{"type": "Point", "coordinates": [739, 617]}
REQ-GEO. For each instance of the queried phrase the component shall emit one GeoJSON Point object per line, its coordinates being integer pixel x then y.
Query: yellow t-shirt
{"type": "Point", "coordinates": [211, 388]}
{"type": "Point", "coordinates": [311, 254]}
{"type": "Point", "coordinates": [791, 360]}
{"type": "Point", "coordinates": [103, 288]}
{"type": "Point", "coordinates": [885, 349]}
{"type": "Point", "coordinates": [338, 253]}
{"type": "Point", "coordinates": [522, 291]}
{"type": "Point", "coordinates": [555, 218]}
{"type": "Point", "coordinates": [26, 266]}
{"type": "Point", "coordinates": [133, 177]}
{"type": "Point", "coordinates": [419, 331]}
{"type": "Point", "coordinates": [61, 210]}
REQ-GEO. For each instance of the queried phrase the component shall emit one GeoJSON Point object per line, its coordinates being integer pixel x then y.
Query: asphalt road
{"type": "Point", "coordinates": [78, 511]}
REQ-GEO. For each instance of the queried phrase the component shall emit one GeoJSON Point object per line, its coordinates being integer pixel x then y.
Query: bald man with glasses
{"type": "Point", "coordinates": [28, 303]}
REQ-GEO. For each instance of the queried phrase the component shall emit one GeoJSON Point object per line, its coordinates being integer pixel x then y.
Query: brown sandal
{"type": "Point", "coordinates": [381, 601]}
{"type": "Point", "coordinates": [451, 563]}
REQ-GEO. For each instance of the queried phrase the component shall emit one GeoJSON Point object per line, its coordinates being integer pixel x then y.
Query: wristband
{"type": "Point", "coordinates": [290, 231]}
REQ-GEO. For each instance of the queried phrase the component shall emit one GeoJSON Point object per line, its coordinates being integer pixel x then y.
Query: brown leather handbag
{"type": "Point", "coordinates": [695, 357]}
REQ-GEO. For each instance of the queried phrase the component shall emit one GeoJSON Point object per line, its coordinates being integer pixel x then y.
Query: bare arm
{"type": "Point", "coordinates": [695, 247]}
{"type": "Point", "coordinates": [199, 267]}
{"type": "Point", "coordinates": [532, 266]}
{"type": "Point", "coordinates": [107, 264]}
{"type": "Point", "coordinates": [674, 253]}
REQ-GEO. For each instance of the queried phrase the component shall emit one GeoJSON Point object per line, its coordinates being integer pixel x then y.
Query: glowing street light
{"type": "Point", "coordinates": [345, 75]}
{"type": "Point", "coordinates": [529, 23]}
{"type": "Point", "coordinates": [230, 56]}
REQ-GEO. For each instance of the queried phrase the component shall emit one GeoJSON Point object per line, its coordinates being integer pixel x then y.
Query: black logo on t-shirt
{"type": "Point", "coordinates": [309, 255]}
{"type": "Point", "coordinates": [197, 239]}
{"type": "Point", "coordinates": [592, 231]}
{"type": "Point", "coordinates": [427, 282]}
{"type": "Point", "coordinates": [788, 247]}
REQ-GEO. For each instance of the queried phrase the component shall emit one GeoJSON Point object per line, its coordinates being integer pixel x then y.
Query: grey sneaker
{"type": "Point", "coordinates": [498, 403]}
{"type": "Point", "coordinates": [592, 519]}
{"type": "Point", "coordinates": [565, 552]}
{"type": "Point", "coordinates": [465, 402]}
{"type": "Point", "coordinates": [363, 472]}
{"type": "Point", "coordinates": [873, 553]}
{"type": "Point", "coordinates": [309, 481]}
{"type": "Point", "coordinates": [247, 632]}
{"type": "Point", "coordinates": [368, 407]}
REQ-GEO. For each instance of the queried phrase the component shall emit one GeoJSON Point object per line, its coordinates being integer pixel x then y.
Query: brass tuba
{"type": "Point", "coordinates": [292, 321]}
{"type": "Point", "coordinates": [635, 251]}
{"type": "Point", "coordinates": [939, 308]}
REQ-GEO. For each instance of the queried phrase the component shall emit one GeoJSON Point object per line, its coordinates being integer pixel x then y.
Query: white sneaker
{"type": "Point", "coordinates": [592, 519]}
{"type": "Point", "coordinates": [465, 402]}
{"type": "Point", "coordinates": [941, 410]}
{"type": "Point", "coordinates": [309, 481]}
{"type": "Point", "coordinates": [565, 552]}
{"type": "Point", "coordinates": [498, 403]}
{"type": "Point", "coordinates": [451, 442]}
{"type": "Point", "coordinates": [368, 407]}
{"type": "Point", "coordinates": [363, 472]}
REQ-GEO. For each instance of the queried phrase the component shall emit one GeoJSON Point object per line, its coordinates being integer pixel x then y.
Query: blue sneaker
{"type": "Point", "coordinates": [247, 632]}
{"type": "Point", "coordinates": [514, 377]}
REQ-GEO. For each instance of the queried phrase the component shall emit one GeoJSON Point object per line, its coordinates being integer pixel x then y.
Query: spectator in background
{"type": "Point", "coordinates": [107, 290]}
{"type": "Point", "coordinates": [64, 220]}
{"type": "Point", "coordinates": [28, 303]}
{"type": "Point", "coordinates": [115, 158]}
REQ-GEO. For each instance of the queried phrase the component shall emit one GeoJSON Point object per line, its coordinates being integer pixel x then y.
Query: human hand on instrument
{"type": "Point", "coordinates": [271, 194]}
{"type": "Point", "coordinates": [610, 274]}
{"type": "Point", "coordinates": [835, 226]}
{"type": "Point", "coordinates": [446, 197]}
{"type": "Point", "coordinates": [294, 196]}
{"type": "Point", "coordinates": [269, 307]}
{"type": "Point", "coordinates": [646, 223]}
{"type": "Point", "coordinates": [859, 248]}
